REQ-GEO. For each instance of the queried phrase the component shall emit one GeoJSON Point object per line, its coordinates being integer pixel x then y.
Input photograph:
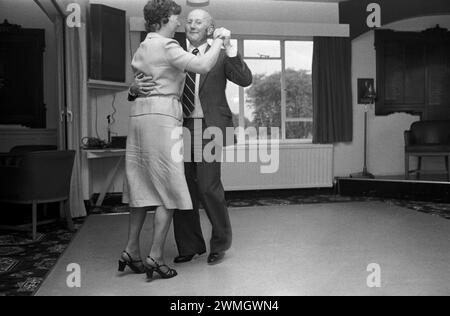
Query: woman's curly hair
{"type": "Point", "coordinates": [157, 13]}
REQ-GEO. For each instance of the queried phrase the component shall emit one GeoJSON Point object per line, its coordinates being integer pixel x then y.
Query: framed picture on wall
{"type": "Point", "coordinates": [366, 90]}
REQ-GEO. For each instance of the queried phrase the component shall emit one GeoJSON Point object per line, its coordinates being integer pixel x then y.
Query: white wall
{"type": "Point", "coordinates": [385, 153]}
{"type": "Point", "coordinates": [27, 14]}
{"type": "Point", "coordinates": [248, 10]}
{"type": "Point", "coordinates": [385, 133]}
{"type": "Point", "coordinates": [233, 12]}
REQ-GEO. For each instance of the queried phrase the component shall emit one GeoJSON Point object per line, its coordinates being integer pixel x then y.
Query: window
{"type": "Point", "coordinates": [281, 93]}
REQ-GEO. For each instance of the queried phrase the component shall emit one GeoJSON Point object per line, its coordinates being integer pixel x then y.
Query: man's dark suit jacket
{"type": "Point", "coordinates": [215, 107]}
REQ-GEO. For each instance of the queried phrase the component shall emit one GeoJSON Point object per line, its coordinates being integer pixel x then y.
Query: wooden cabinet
{"type": "Point", "coordinates": [413, 73]}
{"type": "Point", "coordinates": [21, 76]}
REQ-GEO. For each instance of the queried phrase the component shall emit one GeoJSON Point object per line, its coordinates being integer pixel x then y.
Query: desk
{"type": "Point", "coordinates": [101, 154]}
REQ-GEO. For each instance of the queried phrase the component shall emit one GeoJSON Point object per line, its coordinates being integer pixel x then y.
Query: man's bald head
{"type": "Point", "coordinates": [200, 13]}
{"type": "Point", "coordinates": [199, 27]}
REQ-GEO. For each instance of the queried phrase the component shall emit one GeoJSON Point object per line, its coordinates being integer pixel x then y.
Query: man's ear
{"type": "Point", "coordinates": [210, 31]}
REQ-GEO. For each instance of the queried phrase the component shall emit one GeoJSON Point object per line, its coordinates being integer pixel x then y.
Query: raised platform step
{"type": "Point", "coordinates": [434, 188]}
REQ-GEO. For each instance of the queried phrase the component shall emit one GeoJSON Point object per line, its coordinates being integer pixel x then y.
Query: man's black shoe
{"type": "Point", "coordinates": [184, 259]}
{"type": "Point", "coordinates": [216, 258]}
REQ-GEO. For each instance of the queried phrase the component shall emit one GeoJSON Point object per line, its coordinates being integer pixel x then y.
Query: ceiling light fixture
{"type": "Point", "coordinates": [197, 3]}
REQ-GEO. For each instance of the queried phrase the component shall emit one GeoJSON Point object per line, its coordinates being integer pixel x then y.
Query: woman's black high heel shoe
{"type": "Point", "coordinates": [126, 260]}
{"type": "Point", "coordinates": [150, 270]}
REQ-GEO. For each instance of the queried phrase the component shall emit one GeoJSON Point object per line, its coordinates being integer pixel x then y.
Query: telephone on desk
{"type": "Point", "coordinates": [93, 143]}
{"type": "Point", "coordinates": [117, 142]}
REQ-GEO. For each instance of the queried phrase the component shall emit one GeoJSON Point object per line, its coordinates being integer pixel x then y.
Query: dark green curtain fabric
{"type": "Point", "coordinates": [332, 90]}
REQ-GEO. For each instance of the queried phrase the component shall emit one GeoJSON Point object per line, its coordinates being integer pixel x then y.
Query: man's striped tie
{"type": "Point", "coordinates": [189, 91]}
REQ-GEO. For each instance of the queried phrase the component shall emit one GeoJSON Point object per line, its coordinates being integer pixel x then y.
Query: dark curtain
{"type": "Point", "coordinates": [332, 90]}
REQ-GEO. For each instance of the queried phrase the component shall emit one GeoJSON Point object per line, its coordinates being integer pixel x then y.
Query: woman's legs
{"type": "Point", "coordinates": [161, 225]}
{"type": "Point", "coordinates": [136, 221]}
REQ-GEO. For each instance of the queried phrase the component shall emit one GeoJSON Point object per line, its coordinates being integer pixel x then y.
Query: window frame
{"type": "Point", "coordinates": [284, 119]}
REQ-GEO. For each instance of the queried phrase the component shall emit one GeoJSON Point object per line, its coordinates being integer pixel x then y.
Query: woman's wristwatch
{"type": "Point", "coordinates": [131, 95]}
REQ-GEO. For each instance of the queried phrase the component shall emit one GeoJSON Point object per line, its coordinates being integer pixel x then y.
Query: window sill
{"type": "Point", "coordinates": [297, 144]}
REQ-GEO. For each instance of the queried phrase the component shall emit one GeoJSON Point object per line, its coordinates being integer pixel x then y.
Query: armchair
{"type": "Point", "coordinates": [37, 178]}
{"type": "Point", "coordinates": [29, 148]}
{"type": "Point", "coordinates": [427, 139]}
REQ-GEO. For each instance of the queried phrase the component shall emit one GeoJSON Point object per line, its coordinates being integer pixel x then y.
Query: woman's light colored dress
{"type": "Point", "coordinates": [154, 168]}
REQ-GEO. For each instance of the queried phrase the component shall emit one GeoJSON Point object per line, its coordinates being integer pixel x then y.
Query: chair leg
{"type": "Point", "coordinates": [64, 208]}
{"type": "Point", "coordinates": [62, 212]}
{"type": "Point", "coordinates": [419, 167]}
{"type": "Point", "coordinates": [406, 166]}
{"type": "Point", "coordinates": [45, 210]}
{"type": "Point", "coordinates": [34, 220]}
{"type": "Point", "coordinates": [447, 167]}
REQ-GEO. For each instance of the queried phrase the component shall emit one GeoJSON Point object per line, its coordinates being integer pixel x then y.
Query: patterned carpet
{"type": "Point", "coordinates": [25, 264]}
{"type": "Point", "coordinates": [252, 199]}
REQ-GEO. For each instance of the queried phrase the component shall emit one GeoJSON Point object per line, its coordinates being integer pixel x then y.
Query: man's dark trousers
{"type": "Point", "coordinates": [205, 186]}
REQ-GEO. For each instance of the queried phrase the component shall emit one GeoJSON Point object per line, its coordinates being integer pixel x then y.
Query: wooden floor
{"type": "Point", "coordinates": [322, 249]}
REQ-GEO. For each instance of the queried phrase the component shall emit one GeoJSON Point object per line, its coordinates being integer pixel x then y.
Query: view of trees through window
{"type": "Point", "coordinates": [281, 93]}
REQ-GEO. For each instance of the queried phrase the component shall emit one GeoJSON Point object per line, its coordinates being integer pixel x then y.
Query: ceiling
{"type": "Point", "coordinates": [313, 0]}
